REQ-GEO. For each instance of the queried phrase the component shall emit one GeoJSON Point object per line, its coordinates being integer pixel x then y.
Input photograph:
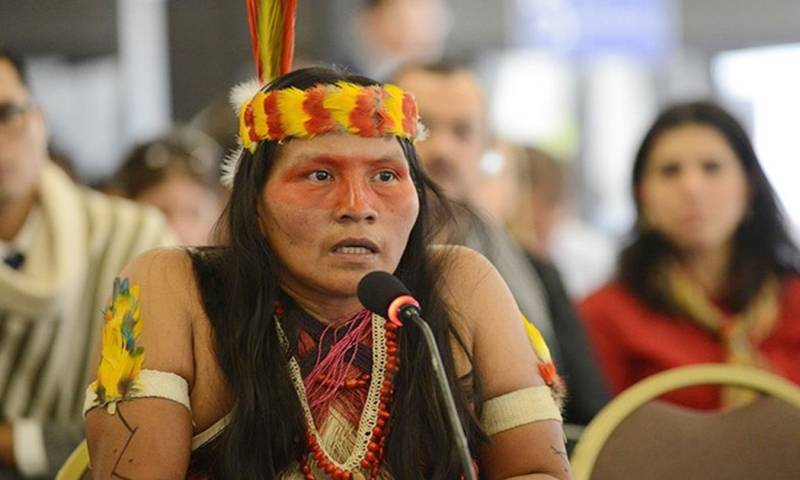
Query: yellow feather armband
{"type": "Point", "coordinates": [121, 357]}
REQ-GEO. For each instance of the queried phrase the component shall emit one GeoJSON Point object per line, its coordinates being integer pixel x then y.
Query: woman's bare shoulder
{"type": "Point", "coordinates": [470, 285]}
{"type": "Point", "coordinates": [160, 265]}
{"type": "Point", "coordinates": [462, 271]}
{"type": "Point", "coordinates": [484, 308]}
{"type": "Point", "coordinates": [166, 273]}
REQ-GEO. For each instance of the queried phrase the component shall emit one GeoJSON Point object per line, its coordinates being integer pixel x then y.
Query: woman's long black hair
{"type": "Point", "coordinates": [262, 439]}
{"type": "Point", "coordinates": [762, 245]}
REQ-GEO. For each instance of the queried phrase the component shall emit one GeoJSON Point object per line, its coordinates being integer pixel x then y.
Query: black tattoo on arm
{"type": "Point", "coordinates": [561, 452]}
{"type": "Point", "coordinates": [131, 433]}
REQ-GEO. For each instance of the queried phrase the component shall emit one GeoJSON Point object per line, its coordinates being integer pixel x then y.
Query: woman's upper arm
{"type": "Point", "coordinates": [144, 437]}
{"type": "Point", "coordinates": [504, 362]}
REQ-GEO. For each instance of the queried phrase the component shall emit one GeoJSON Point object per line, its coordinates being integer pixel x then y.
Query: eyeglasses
{"type": "Point", "coordinates": [11, 115]}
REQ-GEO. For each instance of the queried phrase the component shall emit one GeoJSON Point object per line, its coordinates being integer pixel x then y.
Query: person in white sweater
{"type": "Point", "coordinates": [61, 246]}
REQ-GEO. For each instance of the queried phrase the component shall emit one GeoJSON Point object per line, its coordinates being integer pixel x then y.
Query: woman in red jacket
{"type": "Point", "coordinates": [711, 273]}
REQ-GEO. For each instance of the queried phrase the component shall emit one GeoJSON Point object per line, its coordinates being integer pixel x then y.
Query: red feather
{"type": "Point", "coordinates": [319, 118]}
{"type": "Point", "coordinates": [274, 126]}
{"type": "Point", "coordinates": [409, 115]}
{"type": "Point", "coordinates": [363, 115]}
{"type": "Point", "coordinates": [289, 15]}
{"type": "Point", "coordinates": [252, 22]}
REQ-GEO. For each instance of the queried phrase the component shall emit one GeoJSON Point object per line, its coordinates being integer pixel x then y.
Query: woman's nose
{"type": "Point", "coordinates": [693, 182]}
{"type": "Point", "coordinates": [354, 202]}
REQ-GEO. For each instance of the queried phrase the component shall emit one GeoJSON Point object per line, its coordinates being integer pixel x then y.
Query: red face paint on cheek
{"type": "Point", "coordinates": [398, 199]}
{"type": "Point", "coordinates": [291, 221]}
{"type": "Point", "coordinates": [290, 188]}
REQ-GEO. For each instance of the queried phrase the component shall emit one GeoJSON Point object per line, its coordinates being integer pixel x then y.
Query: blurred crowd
{"type": "Point", "coordinates": [707, 273]}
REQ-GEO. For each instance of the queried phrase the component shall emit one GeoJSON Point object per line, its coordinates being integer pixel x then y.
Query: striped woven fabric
{"type": "Point", "coordinates": [50, 309]}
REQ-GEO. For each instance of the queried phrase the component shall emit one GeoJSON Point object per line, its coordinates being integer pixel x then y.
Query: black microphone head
{"type": "Point", "coordinates": [377, 290]}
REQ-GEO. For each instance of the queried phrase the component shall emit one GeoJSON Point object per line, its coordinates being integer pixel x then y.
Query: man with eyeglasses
{"type": "Point", "coordinates": [12, 116]}
{"type": "Point", "coordinates": [61, 246]}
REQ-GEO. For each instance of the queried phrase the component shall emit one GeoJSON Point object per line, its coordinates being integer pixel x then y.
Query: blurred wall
{"type": "Point", "coordinates": [209, 45]}
{"type": "Point", "coordinates": [76, 28]}
{"type": "Point", "coordinates": [208, 49]}
{"type": "Point", "coordinates": [711, 26]}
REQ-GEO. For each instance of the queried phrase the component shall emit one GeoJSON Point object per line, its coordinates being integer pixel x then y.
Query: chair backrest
{"type": "Point", "coordinates": [77, 465]}
{"type": "Point", "coordinates": [636, 436]}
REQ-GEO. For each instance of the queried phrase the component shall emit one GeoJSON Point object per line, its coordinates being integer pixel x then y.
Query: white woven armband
{"type": "Point", "coordinates": [150, 384]}
{"type": "Point", "coordinates": [517, 408]}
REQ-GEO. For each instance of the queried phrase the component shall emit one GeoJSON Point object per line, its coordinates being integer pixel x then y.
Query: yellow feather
{"type": "Point", "coordinates": [341, 101]}
{"type": "Point", "coordinates": [259, 115]}
{"type": "Point", "coordinates": [393, 104]}
{"type": "Point", "coordinates": [537, 341]}
{"type": "Point", "coordinates": [270, 34]}
{"type": "Point", "coordinates": [293, 117]}
{"type": "Point", "coordinates": [244, 132]}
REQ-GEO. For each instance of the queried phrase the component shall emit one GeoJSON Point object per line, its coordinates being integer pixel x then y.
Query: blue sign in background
{"type": "Point", "coordinates": [581, 29]}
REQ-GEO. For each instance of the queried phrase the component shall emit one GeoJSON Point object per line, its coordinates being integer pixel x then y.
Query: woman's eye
{"type": "Point", "coordinates": [711, 166]}
{"type": "Point", "coordinates": [669, 170]}
{"type": "Point", "coordinates": [385, 176]}
{"type": "Point", "coordinates": [319, 176]}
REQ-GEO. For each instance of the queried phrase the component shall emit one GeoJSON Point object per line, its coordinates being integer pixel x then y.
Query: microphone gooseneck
{"type": "Point", "coordinates": [384, 294]}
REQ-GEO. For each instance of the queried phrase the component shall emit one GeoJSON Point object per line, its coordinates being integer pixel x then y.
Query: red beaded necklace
{"type": "Point", "coordinates": [374, 423]}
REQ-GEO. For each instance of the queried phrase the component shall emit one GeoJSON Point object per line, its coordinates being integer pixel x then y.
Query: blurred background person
{"type": "Point", "coordinates": [498, 189]}
{"type": "Point", "coordinates": [61, 245]}
{"type": "Point", "coordinates": [178, 173]}
{"type": "Point", "coordinates": [452, 106]}
{"type": "Point", "coordinates": [540, 186]}
{"type": "Point", "coordinates": [391, 33]}
{"type": "Point", "coordinates": [505, 181]}
{"type": "Point", "coordinates": [710, 274]}
{"type": "Point", "coordinates": [546, 224]}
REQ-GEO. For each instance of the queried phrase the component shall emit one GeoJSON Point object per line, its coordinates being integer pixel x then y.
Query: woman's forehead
{"type": "Point", "coordinates": [341, 146]}
{"type": "Point", "coordinates": [691, 139]}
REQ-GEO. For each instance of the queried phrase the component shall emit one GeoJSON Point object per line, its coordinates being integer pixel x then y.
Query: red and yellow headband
{"type": "Point", "coordinates": [366, 111]}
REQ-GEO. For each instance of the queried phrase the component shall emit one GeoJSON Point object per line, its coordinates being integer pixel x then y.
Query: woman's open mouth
{"type": "Point", "coordinates": [356, 246]}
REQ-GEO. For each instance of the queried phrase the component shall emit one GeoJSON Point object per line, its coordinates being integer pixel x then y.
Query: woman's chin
{"type": "Point", "coordinates": [699, 244]}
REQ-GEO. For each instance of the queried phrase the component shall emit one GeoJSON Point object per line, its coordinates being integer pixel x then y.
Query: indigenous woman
{"type": "Point", "coordinates": [256, 359]}
{"type": "Point", "coordinates": [711, 272]}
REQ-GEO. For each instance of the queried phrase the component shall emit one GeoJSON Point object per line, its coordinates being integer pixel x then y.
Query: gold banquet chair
{"type": "Point", "coordinates": [77, 465]}
{"type": "Point", "coordinates": [637, 436]}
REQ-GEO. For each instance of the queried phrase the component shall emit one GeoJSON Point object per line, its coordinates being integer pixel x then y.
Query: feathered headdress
{"type": "Point", "coordinates": [271, 36]}
{"type": "Point", "coordinates": [367, 111]}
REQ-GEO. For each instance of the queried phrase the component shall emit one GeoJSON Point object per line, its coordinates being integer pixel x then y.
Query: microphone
{"type": "Point", "coordinates": [384, 294]}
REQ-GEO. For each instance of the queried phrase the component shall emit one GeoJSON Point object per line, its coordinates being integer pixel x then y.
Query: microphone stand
{"type": "Point", "coordinates": [444, 388]}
